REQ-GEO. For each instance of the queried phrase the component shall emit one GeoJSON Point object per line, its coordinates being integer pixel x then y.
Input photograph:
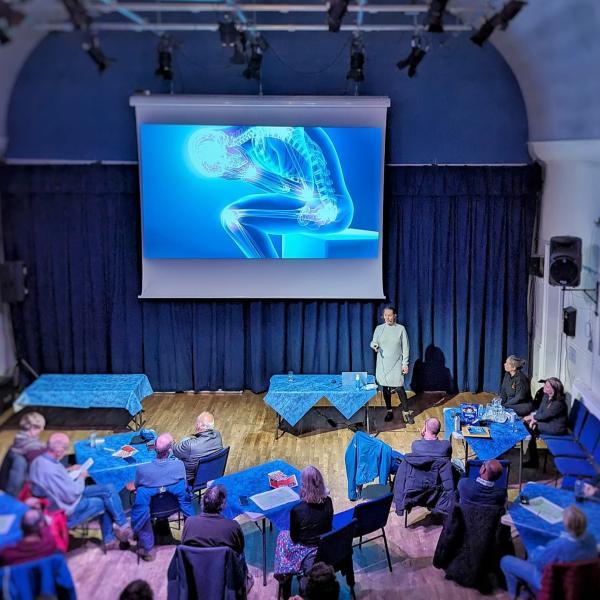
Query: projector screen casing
{"type": "Point", "coordinates": [264, 278]}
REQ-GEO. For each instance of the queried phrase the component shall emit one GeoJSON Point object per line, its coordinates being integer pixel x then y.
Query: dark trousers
{"type": "Point", "coordinates": [387, 396]}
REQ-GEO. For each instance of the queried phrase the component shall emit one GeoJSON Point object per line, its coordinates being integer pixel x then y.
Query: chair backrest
{"type": "Point", "coordinates": [373, 515]}
{"type": "Point", "coordinates": [590, 433]}
{"type": "Point", "coordinates": [577, 417]}
{"type": "Point", "coordinates": [570, 580]}
{"type": "Point", "coordinates": [210, 467]}
{"type": "Point", "coordinates": [13, 473]}
{"type": "Point", "coordinates": [163, 505]}
{"type": "Point", "coordinates": [473, 466]}
{"type": "Point", "coordinates": [335, 547]}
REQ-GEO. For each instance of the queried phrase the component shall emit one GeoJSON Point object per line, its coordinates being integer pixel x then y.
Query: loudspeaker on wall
{"type": "Point", "coordinates": [569, 321]}
{"type": "Point", "coordinates": [565, 261]}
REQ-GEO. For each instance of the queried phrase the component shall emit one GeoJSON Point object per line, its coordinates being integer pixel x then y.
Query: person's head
{"type": "Point", "coordinates": [553, 388]}
{"type": "Point", "coordinates": [513, 364]}
{"type": "Point", "coordinates": [389, 315]}
{"type": "Point", "coordinates": [137, 590]}
{"type": "Point", "coordinates": [32, 424]}
{"type": "Point", "coordinates": [574, 520]}
{"type": "Point", "coordinates": [491, 470]}
{"type": "Point", "coordinates": [32, 522]}
{"type": "Point", "coordinates": [164, 443]}
{"type": "Point", "coordinates": [213, 500]}
{"type": "Point", "coordinates": [58, 444]}
{"type": "Point", "coordinates": [431, 429]}
{"type": "Point", "coordinates": [321, 583]}
{"type": "Point", "coordinates": [313, 489]}
{"type": "Point", "coordinates": [204, 422]}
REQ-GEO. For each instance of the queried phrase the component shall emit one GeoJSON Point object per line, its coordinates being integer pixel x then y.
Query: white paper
{"type": "Point", "coordinates": [540, 507]}
{"type": "Point", "coordinates": [6, 522]}
{"type": "Point", "coordinates": [274, 498]}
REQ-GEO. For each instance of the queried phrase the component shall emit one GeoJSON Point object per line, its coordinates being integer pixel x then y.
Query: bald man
{"type": "Point", "coordinates": [430, 445]}
{"type": "Point", "coordinates": [484, 489]}
{"type": "Point", "coordinates": [207, 440]}
{"type": "Point", "coordinates": [80, 502]}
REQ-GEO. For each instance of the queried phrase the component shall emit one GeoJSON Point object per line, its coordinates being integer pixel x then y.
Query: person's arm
{"type": "Point", "coordinates": [405, 350]}
{"type": "Point", "coordinates": [522, 393]}
{"type": "Point", "coordinates": [181, 449]}
{"type": "Point", "coordinates": [294, 525]}
{"type": "Point", "coordinates": [503, 393]}
{"type": "Point", "coordinates": [375, 341]}
{"type": "Point", "coordinates": [543, 555]}
{"type": "Point", "coordinates": [239, 539]}
{"type": "Point", "coordinates": [63, 487]}
{"type": "Point", "coordinates": [552, 410]}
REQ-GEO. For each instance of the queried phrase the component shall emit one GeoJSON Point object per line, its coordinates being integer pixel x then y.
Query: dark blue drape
{"type": "Point", "coordinates": [455, 254]}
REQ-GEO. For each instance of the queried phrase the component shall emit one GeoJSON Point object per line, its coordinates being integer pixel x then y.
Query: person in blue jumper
{"type": "Point", "coordinates": [574, 544]}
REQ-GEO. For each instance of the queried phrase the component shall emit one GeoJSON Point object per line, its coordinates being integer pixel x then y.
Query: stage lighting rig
{"type": "Point", "coordinates": [418, 51]}
{"type": "Point", "coordinates": [435, 16]}
{"type": "Point", "coordinates": [228, 31]}
{"type": "Point", "coordinates": [165, 58]}
{"type": "Point", "coordinates": [357, 60]}
{"type": "Point", "coordinates": [335, 14]}
{"type": "Point", "coordinates": [258, 46]}
{"type": "Point", "coordinates": [92, 46]}
{"type": "Point", "coordinates": [501, 19]}
{"type": "Point", "coordinates": [13, 17]}
{"type": "Point", "coordinates": [77, 14]}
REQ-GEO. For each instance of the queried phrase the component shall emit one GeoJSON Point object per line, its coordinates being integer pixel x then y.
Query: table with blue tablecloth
{"type": "Point", "coordinates": [11, 508]}
{"type": "Point", "coordinates": [242, 485]}
{"type": "Point", "coordinates": [292, 398]}
{"type": "Point", "coordinates": [88, 391]}
{"type": "Point", "coordinates": [112, 469]}
{"type": "Point", "coordinates": [535, 531]}
{"type": "Point", "coordinates": [503, 437]}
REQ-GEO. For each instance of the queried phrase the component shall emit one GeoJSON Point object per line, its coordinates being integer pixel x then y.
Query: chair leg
{"type": "Point", "coordinates": [387, 551]}
{"type": "Point", "coordinates": [360, 543]}
{"type": "Point", "coordinates": [545, 462]}
{"type": "Point", "coordinates": [405, 517]}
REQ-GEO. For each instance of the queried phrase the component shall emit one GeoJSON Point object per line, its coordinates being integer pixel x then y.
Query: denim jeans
{"type": "Point", "coordinates": [516, 569]}
{"type": "Point", "coordinates": [99, 500]}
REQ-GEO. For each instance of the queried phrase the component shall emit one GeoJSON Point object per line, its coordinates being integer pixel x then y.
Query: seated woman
{"type": "Point", "coordinates": [549, 419]}
{"type": "Point", "coordinates": [516, 390]}
{"type": "Point", "coordinates": [308, 521]}
{"type": "Point", "coordinates": [573, 545]}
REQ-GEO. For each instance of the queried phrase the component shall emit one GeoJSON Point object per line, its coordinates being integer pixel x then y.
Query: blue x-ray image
{"type": "Point", "coordinates": [260, 192]}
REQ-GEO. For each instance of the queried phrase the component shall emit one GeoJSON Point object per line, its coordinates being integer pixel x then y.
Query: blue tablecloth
{"type": "Point", "coordinates": [11, 506]}
{"type": "Point", "coordinates": [293, 399]}
{"type": "Point", "coordinates": [253, 481]}
{"type": "Point", "coordinates": [87, 391]}
{"type": "Point", "coordinates": [534, 530]}
{"type": "Point", "coordinates": [503, 436]}
{"type": "Point", "coordinates": [108, 468]}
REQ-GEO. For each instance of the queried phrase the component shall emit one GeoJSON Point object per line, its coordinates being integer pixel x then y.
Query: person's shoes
{"type": "Point", "coordinates": [146, 555]}
{"type": "Point", "coordinates": [408, 418]}
{"type": "Point", "coordinates": [123, 532]}
{"type": "Point", "coordinates": [389, 416]}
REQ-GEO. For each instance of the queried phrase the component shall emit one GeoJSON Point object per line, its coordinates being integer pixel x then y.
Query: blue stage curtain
{"type": "Point", "coordinates": [455, 264]}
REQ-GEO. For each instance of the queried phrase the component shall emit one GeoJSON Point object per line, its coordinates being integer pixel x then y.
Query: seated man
{"type": "Point", "coordinates": [37, 542]}
{"type": "Point", "coordinates": [430, 445]}
{"type": "Point", "coordinates": [483, 490]}
{"type": "Point", "coordinates": [80, 502]}
{"type": "Point", "coordinates": [210, 528]}
{"type": "Point", "coordinates": [164, 474]}
{"type": "Point", "coordinates": [205, 441]}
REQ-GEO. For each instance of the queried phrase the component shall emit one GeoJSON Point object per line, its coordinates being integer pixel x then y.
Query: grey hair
{"type": "Point", "coordinates": [213, 500]}
{"type": "Point", "coordinates": [30, 420]}
{"type": "Point", "coordinates": [313, 489]}
{"type": "Point", "coordinates": [516, 362]}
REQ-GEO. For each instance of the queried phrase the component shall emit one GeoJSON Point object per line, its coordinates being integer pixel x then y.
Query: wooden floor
{"type": "Point", "coordinates": [247, 425]}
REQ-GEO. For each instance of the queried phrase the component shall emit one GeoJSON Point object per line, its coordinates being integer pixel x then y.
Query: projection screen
{"type": "Point", "coordinates": [261, 197]}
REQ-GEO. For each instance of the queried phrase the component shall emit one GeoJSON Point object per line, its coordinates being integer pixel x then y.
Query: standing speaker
{"type": "Point", "coordinates": [565, 261]}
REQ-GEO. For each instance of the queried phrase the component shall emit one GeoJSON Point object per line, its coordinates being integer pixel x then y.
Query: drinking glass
{"type": "Point", "coordinates": [578, 489]}
{"type": "Point", "coordinates": [290, 376]}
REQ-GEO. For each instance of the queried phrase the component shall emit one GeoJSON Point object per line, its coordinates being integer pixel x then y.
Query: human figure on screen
{"type": "Point", "coordinates": [297, 171]}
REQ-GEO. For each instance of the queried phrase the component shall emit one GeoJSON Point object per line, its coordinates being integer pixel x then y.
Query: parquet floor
{"type": "Point", "coordinates": [247, 425]}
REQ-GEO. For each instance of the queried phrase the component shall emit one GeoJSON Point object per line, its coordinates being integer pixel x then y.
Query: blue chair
{"type": "Point", "coordinates": [209, 468]}
{"type": "Point", "coordinates": [577, 417]}
{"type": "Point", "coordinates": [581, 448]}
{"type": "Point", "coordinates": [473, 466]}
{"type": "Point", "coordinates": [580, 467]}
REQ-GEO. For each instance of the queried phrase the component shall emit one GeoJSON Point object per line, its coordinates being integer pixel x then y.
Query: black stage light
{"type": "Point", "coordinates": [509, 11]}
{"type": "Point", "coordinates": [417, 53]}
{"type": "Point", "coordinates": [227, 31]}
{"type": "Point", "coordinates": [78, 14]}
{"type": "Point", "coordinates": [435, 16]}
{"type": "Point", "coordinates": [257, 49]}
{"type": "Point", "coordinates": [239, 49]}
{"type": "Point", "coordinates": [165, 58]}
{"type": "Point", "coordinates": [92, 46]}
{"type": "Point", "coordinates": [335, 13]}
{"type": "Point", "coordinates": [357, 61]}
{"type": "Point", "coordinates": [4, 37]}
{"type": "Point", "coordinates": [13, 17]}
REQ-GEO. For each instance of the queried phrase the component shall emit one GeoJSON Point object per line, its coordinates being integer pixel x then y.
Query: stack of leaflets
{"type": "Point", "coordinates": [278, 479]}
{"type": "Point", "coordinates": [125, 451]}
{"type": "Point", "coordinates": [476, 431]}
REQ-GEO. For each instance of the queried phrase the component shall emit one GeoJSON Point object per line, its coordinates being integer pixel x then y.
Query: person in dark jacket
{"type": "Point", "coordinates": [309, 520]}
{"type": "Point", "coordinates": [516, 389]}
{"type": "Point", "coordinates": [429, 444]}
{"type": "Point", "coordinates": [549, 419]}
{"type": "Point", "coordinates": [484, 490]}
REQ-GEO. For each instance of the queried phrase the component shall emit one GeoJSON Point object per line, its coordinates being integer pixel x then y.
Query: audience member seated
{"type": "Point", "coordinates": [164, 474]}
{"type": "Point", "coordinates": [484, 490]}
{"type": "Point", "coordinates": [137, 590]}
{"type": "Point", "coordinates": [210, 528]}
{"type": "Point", "coordinates": [204, 442]}
{"type": "Point", "coordinates": [25, 447]}
{"type": "Point", "coordinates": [549, 419]}
{"type": "Point", "coordinates": [320, 583]}
{"type": "Point", "coordinates": [309, 520]}
{"type": "Point", "coordinates": [37, 542]}
{"type": "Point", "coordinates": [80, 502]}
{"type": "Point", "coordinates": [573, 545]}
{"type": "Point", "coordinates": [425, 476]}
{"type": "Point", "coordinates": [516, 389]}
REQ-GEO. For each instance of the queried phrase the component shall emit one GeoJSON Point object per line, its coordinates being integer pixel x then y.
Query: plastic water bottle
{"type": "Point", "coordinates": [357, 382]}
{"type": "Point", "coordinates": [93, 437]}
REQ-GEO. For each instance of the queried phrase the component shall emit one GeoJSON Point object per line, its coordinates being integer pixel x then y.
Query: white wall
{"type": "Point", "coordinates": [570, 206]}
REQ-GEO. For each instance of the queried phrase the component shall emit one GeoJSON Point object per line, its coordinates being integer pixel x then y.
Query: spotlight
{"type": "Point", "coordinates": [239, 49]}
{"type": "Point", "coordinates": [357, 61]}
{"type": "Point", "coordinates": [417, 53]}
{"type": "Point", "coordinates": [227, 31]}
{"type": "Point", "coordinates": [335, 13]}
{"type": "Point", "coordinates": [435, 16]}
{"type": "Point", "coordinates": [509, 11]}
{"type": "Point", "coordinates": [501, 19]}
{"type": "Point", "coordinates": [4, 37]}
{"type": "Point", "coordinates": [165, 58]}
{"type": "Point", "coordinates": [77, 14]}
{"type": "Point", "coordinates": [258, 47]}
{"type": "Point", "coordinates": [92, 46]}
{"type": "Point", "coordinates": [13, 17]}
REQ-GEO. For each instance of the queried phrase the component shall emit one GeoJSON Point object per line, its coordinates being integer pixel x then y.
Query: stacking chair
{"type": "Point", "coordinates": [584, 443]}
{"type": "Point", "coordinates": [209, 468]}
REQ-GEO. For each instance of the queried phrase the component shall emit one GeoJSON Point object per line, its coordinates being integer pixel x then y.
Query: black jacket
{"type": "Point", "coordinates": [208, 530]}
{"type": "Point", "coordinates": [308, 522]}
{"type": "Point", "coordinates": [516, 391]}
{"type": "Point", "coordinates": [551, 416]}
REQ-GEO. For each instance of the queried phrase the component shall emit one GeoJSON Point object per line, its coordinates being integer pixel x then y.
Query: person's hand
{"type": "Point", "coordinates": [376, 347]}
{"type": "Point", "coordinates": [83, 474]}
{"type": "Point", "coordinates": [73, 467]}
{"type": "Point", "coordinates": [404, 370]}
{"type": "Point", "coordinates": [33, 503]}
{"type": "Point", "coordinates": [130, 486]}
{"type": "Point", "coordinates": [589, 490]}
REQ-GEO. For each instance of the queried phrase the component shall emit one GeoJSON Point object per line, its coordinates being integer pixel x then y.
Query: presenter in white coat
{"type": "Point", "coordinates": [390, 341]}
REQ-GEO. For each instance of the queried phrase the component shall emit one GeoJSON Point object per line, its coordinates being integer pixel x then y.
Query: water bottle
{"type": "Point", "coordinates": [457, 423]}
{"type": "Point", "coordinates": [93, 436]}
{"type": "Point", "coordinates": [357, 382]}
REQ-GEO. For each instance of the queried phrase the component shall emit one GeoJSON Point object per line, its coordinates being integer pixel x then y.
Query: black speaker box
{"type": "Point", "coordinates": [565, 261]}
{"type": "Point", "coordinates": [12, 281]}
{"type": "Point", "coordinates": [569, 321]}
